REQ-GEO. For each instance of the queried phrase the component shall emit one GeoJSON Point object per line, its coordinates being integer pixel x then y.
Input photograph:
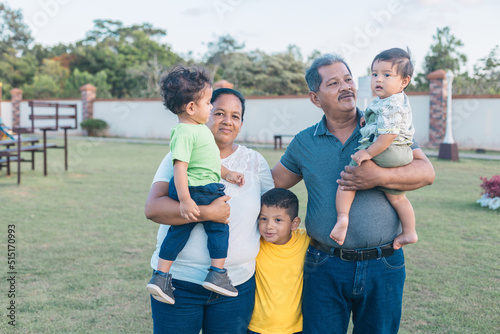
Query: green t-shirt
{"type": "Point", "coordinates": [195, 144]}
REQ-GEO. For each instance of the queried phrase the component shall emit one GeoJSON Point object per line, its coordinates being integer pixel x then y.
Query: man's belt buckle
{"type": "Point", "coordinates": [347, 258]}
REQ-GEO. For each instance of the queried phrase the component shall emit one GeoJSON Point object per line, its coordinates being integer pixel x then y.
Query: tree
{"type": "Point", "coordinates": [77, 79]}
{"type": "Point", "coordinates": [219, 53]}
{"type": "Point", "coordinates": [116, 49]}
{"type": "Point", "coordinates": [444, 54]}
{"type": "Point", "coordinates": [14, 33]}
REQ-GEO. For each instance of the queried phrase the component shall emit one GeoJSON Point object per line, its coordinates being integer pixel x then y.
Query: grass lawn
{"type": "Point", "coordinates": [83, 245]}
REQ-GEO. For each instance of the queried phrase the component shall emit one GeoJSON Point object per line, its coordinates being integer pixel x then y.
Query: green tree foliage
{"type": "Point", "coordinates": [77, 79]}
{"type": "Point", "coordinates": [219, 54]}
{"type": "Point", "coordinates": [443, 54]}
{"type": "Point", "coordinates": [14, 33]}
{"type": "Point", "coordinates": [115, 49]}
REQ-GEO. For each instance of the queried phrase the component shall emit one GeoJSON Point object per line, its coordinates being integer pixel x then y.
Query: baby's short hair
{"type": "Point", "coordinates": [182, 85]}
{"type": "Point", "coordinates": [400, 58]}
{"type": "Point", "coordinates": [283, 199]}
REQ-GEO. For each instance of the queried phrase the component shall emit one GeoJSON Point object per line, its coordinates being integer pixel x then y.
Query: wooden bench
{"type": "Point", "coordinates": [278, 141]}
{"type": "Point", "coordinates": [7, 153]}
{"type": "Point", "coordinates": [14, 154]}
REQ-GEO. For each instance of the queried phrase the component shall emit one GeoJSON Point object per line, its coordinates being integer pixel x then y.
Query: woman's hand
{"type": "Point", "coordinates": [218, 211]}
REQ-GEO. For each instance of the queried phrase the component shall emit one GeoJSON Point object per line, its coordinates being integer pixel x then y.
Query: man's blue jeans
{"type": "Point", "coordinates": [178, 235]}
{"type": "Point", "coordinates": [197, 308]}
{"type": "Point", "coordinates": [333, 288]}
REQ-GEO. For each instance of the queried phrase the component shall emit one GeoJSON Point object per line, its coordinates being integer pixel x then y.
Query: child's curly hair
{"type": "Point", "coordinates": [182, 85]}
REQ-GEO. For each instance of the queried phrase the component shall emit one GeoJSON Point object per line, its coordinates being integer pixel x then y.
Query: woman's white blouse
{"type": "Point", "coordinates": [193, 261]}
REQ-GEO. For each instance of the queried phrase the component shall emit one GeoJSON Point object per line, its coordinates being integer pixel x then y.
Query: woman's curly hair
{"type": "Point", "coordinates": [182, 85]}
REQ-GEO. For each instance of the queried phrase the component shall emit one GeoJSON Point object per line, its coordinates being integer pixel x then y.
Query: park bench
{"type": "Point", "coordinates": [8, 156]}
{"type": "Point", "coordinates": [51, 122]}
{"type": "Point", "coordinates": [278, 140]}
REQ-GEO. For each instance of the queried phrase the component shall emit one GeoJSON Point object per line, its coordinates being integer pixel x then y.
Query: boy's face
{"type": "Point", "coordinates": [203, 107]}
{"type": "Point", "coordinates": [385, 79]}
{"type": "Point", "coordinates": [275, 225]}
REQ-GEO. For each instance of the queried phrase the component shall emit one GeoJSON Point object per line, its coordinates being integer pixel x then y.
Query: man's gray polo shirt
{"type": "Point", "coordinates": [319, 157]}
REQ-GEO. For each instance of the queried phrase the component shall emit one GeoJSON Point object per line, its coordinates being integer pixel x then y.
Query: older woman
{"type": "Point", "coordinates": [196, 308]}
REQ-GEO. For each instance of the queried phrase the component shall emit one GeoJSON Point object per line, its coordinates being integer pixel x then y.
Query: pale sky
{"type": "Point", "coordinates": [358, 30]}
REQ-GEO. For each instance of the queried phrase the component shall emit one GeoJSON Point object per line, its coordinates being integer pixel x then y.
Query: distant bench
{"type": "Point", "coordinates": [8, 153]}
{"type": "Point", "coordinates": [278, 141]}
{"type": "Point", "coordinates": [14, 154]}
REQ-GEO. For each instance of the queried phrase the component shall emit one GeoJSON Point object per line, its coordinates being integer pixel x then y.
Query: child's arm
{"type": "Point", "coordinates": [378, 146]}
{"type": "Point", "coordinates": [232, 177]}
{"type": "Point", "coordinates": [189, 209]}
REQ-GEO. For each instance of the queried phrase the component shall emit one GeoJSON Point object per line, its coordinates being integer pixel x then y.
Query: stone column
{"type": "Point", "coordinates": [16, 96]}
{"type": "Point", "coordinates": [88, 98]}
{"type": "Point", "coordinates": [437, 118]}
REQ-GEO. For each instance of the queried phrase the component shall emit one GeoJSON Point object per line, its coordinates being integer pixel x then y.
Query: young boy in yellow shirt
{"type": "Point", "coordinates": [280, 264]}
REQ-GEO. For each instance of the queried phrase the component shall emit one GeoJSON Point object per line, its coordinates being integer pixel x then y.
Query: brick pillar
{"type": "Point", "coordinates": [16, 96]}
{"type": "Point", "coordinates": [88, 98]}
{"type": "Point", "coordinates": [438, 94]}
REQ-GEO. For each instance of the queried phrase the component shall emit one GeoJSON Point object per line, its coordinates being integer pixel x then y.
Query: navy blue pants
{"type": "Point", "coordinates": [178, 235]}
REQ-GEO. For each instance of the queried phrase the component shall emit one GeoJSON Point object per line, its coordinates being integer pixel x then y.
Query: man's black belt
{"type": "Point", "coordinates": [355, 255]}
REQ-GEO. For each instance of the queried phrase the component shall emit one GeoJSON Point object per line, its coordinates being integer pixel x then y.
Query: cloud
{"type": "Point", "coordinates": [195, 11]}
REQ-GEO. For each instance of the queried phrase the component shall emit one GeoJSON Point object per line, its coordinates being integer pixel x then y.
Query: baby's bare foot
{"type": "Point", "coordinates": [405, 239]}
{"type": "Point", "coordinates": [340, 229]}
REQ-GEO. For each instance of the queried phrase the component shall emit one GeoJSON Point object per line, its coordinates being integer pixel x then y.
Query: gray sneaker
{"type": "Point", "coordinates": [220, 283]}
{"type": "Point", "coordinates": [160, 287]}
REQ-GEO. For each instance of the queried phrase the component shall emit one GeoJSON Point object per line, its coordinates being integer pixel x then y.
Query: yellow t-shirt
{"type": "Point", "coordinates": [279, 278]}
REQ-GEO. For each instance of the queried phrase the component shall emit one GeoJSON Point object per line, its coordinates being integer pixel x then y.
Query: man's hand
{"type": "Point", "coordinates": [365, 176]}
{"type": "Point", "coordinates": [235, 178]}
{"type": "Point", "coordinates": [360, 156]}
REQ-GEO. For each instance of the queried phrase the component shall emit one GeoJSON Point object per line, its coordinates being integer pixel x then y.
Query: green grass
{"type": "Point", "coordinates": [83, 245]}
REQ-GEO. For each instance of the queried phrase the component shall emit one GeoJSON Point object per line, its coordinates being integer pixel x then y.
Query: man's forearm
{"type": "Point", "coordinates": [417, 174]}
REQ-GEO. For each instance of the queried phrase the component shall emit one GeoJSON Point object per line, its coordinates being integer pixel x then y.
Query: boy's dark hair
{"type": "Point", "coordinates": [182, 85]}
{"type": "Point", "coordinates": [222, 91]}
{"type": "Point", "coordinates": [400, 58]}
{"type": "Point", "coordinates": [283, 199]}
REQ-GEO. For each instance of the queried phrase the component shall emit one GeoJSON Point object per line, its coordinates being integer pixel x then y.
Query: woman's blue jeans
{"type": "Point", "coordinates": [197, 308]}
{"type": "Point", "coordinates": [371, 290]}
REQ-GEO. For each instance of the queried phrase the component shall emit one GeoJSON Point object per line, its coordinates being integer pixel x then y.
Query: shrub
{"type": "Point", "coordinates": [94, 127]}
{"type": "Point", "coordinates": [492, 186]}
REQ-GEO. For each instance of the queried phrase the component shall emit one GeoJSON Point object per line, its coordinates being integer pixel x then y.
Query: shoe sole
{"type": "Point", "coordinates": [219, 290]}
{"type": "Point", "coordinates": [157, 294]}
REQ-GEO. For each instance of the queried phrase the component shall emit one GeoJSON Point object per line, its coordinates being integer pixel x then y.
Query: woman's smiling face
{"type": "Point", "coordinates": [226, 119]}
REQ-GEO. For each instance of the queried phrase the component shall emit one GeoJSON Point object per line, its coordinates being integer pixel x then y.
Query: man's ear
{"type": "Point", "coordinates": [314, 99]}
{"type": "Point", "coordinates": [295, 223]}
{"type": "Point", "coordinates": [190, 108]}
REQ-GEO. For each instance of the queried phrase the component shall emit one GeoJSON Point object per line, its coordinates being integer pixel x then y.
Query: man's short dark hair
{"type": "Point", "coordinates": [398, 57]}
{"type": "Point", "coordinates": [313, 78]}
{"type": "Point", "coordinates": [182, 85]}
{"type": "Point", "coordinates": [222, 91]}
{"type": "Point", "coordinates": [283, 199]}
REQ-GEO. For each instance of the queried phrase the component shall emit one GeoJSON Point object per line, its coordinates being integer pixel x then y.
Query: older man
{"type": "Point", "coordinates": [365, 276]}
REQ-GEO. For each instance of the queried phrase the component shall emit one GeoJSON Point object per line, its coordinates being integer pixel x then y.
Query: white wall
{"type": "Point", "coordinates": [476, 121]}
{"type": "Point", "coordinates": [6, 113]}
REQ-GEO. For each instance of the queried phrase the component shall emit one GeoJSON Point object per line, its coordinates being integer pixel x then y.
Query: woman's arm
{"type": "Point", "coordinates": [163, 210]}
{"type": "Point", "coordinates": [417, 174]}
